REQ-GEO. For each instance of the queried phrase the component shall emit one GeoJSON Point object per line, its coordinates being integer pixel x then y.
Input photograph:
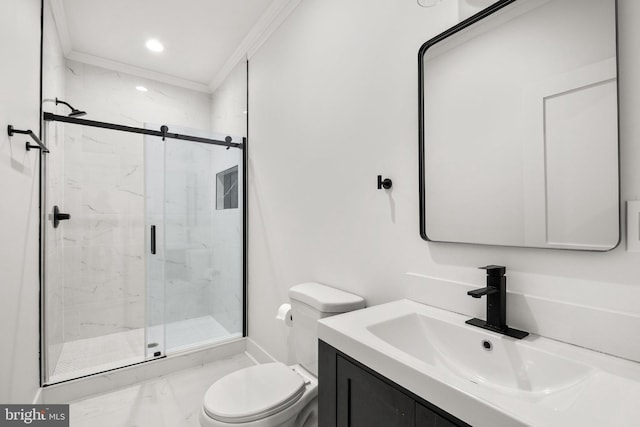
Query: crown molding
{"type": "Point", "coordinates": [280, 10]}
{"type": "Point", "coordinates": [137, 71]}
{"type": "Point", "coordinates": [266, 25]}
{"type": "Point", "coordinates": [59, 17]}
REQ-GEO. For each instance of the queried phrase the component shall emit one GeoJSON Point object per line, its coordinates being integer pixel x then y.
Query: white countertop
{"type": "Point", "coordinates": [606, 393]}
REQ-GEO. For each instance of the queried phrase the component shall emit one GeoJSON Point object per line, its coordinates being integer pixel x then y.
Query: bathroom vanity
{"type": "Point", "coordinates": [354, 395]}
{"type": "Point", "coordinates": [409, 364]}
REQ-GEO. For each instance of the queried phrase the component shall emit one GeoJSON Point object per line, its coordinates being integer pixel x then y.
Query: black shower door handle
{"type": "Point", "coordinates": [153, 240]}
{"type": "Point", "coordinates": [59, 216]}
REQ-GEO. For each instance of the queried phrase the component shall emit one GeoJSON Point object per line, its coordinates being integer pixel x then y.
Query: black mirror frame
{"type": "Point", "coordinates": [500, 4]}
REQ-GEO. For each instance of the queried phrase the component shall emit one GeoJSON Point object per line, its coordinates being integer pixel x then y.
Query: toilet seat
{"type": "Point", "coordinates": [253, 393]}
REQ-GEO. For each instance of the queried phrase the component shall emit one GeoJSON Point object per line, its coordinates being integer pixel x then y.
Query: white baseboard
{"type": "Point", "coordinates": [37, 399]}
{"type": "Point", "coordinates": [258, 354]}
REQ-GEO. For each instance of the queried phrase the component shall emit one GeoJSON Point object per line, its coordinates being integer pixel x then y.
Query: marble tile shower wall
{"type": "Point", "coordinates": [104, 187]}
{"type": "Point", "coordinates": [104, 242]}
{"type": "Point", "coordinates": [227, 252]}
{"type": "Point", "coordinates": [189, 200]}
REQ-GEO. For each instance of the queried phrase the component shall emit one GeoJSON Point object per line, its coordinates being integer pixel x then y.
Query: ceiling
{"type": "Point", "coordinates": [199, 36]}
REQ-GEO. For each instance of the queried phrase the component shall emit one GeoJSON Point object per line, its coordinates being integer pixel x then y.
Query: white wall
{"type": "Point", "coordinates": [229, 103]}
{"type": "Point", "coordinates": [19, 106]}
{"type": "Point", "coordinates": [467, 8]}
{"type": "Point", "coordinates": [333, 103]}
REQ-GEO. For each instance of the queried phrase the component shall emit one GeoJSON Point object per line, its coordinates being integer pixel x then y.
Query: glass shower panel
{"type": "Point", "coordinates": [53, 240]}
{"type": "Point", "coordinates": [203, 242]}
{"type": "Point", "coordinates": [154, 152]}
{"type": "Point", "coordinates": [95, 275]}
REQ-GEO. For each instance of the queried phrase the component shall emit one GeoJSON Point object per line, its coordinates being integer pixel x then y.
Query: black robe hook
{"type": "Point", "coordinates": [385, 183]}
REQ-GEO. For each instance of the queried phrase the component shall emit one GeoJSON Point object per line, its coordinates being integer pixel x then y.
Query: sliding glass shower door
{"type": "Point", "coordinates": [194, 210]}
{"type": "Point", "coordinates": [143, 246]}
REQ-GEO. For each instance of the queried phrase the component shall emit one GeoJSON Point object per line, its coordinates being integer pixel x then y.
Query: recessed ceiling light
{"type": "Point", "coordinates": [141, 88]}
{"type": "Point", "coordinates": [154, 45]}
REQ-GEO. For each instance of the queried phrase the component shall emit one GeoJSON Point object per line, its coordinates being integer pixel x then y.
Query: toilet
{"type": "Point", "coordinates": [274, 394]}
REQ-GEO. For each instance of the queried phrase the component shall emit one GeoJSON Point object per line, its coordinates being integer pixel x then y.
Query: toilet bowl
{"type": "Point", "coordinates": [267, 395]}
{"type": "Point", "coordinates": [274, 394]}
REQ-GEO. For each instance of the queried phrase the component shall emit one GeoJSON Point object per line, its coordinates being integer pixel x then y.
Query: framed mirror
{"type": "Point", "coordinates": [519, 127]}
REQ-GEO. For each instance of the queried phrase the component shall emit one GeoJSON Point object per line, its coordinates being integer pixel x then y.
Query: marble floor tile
{"type": "Point", "coordinates": [173, 400]}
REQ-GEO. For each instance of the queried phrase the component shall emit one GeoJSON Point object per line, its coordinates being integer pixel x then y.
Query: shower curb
{"type": "Point", "coordinates": [68, 391]}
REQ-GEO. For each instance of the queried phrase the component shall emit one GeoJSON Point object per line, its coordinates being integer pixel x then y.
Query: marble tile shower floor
{"type": "Point", "coordinates": [173, 400]}
{"type": "Point", "coordinates": [91, 355]}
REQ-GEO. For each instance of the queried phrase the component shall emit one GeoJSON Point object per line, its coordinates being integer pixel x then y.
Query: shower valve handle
{"type": "Point", "coordinates": [59, 216]}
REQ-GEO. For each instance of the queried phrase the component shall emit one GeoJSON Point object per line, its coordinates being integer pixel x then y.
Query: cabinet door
{"type": "Point", "coordinates": [366, 401]}
{"type": "Point", "coordinates": [427, 418]}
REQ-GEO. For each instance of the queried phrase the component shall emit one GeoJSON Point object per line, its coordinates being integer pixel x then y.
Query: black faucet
{"type": "Point", "coordinates": [496, 292]}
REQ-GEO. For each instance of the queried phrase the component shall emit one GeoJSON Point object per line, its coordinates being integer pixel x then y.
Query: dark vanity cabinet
{"type": "Point", "coordinates": [362, 399]}
{"type": "Point", "coordinates": [352, 395]}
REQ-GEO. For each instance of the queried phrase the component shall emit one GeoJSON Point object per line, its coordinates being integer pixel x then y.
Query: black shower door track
{"type": "Point", "coordinates": [50, 117]}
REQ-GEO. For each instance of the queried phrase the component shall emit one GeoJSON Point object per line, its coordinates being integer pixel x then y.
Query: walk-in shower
{"type": "Point", "coordinates": [143, 211]}
{"type": "Point", "coordinates": [150, 259]}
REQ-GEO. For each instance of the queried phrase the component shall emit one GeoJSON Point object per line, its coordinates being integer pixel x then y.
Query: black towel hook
{"type": "Point", "coordinates": [384, 183]}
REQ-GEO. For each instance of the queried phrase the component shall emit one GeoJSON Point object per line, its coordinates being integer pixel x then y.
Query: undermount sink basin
{"type": "Point", "coordinates": [479, 356]}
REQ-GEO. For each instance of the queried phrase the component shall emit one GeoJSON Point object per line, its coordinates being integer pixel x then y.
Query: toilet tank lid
{"type": "Point", "coordinates": [325, 299]}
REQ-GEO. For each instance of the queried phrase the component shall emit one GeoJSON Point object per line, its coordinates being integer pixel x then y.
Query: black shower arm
{"type": "Point", "coordinates": [11, 131]}
{"type": "Point", "coordinates": [59, 101]}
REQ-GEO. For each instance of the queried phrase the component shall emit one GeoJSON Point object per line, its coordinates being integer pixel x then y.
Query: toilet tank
{"type": "Point", "coordinates": [309, 303]}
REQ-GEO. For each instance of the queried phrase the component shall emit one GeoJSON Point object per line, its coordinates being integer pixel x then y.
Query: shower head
{"type": "Point", "coordinates": [74, 111]}
{"type": "Point", "coordinates": [77, 113]}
